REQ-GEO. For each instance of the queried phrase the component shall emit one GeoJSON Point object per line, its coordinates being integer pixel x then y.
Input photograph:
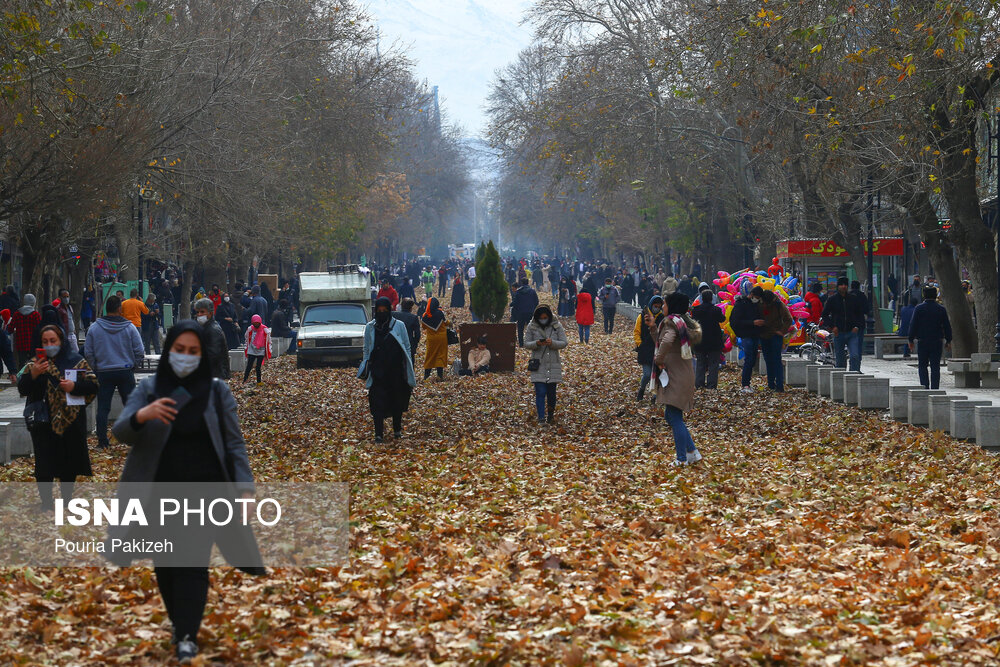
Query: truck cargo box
{"type": "Point", "coordinates": [340, 283]}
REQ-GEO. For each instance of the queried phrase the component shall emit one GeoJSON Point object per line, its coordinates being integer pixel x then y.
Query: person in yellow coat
{"type": "Point", "coordinates": [435, 327]}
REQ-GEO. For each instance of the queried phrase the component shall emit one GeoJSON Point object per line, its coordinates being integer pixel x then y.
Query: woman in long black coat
{"type": "Point", "coordinates": [60, 444]}
{"type": "Point", "coordinates": [458, 293]}
{"type": "Point", "coordinates": [199, 443]}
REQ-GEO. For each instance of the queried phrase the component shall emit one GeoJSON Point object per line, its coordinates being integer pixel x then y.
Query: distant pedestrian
{"type": "Point", "coordinates": [777, 322]}
{"type": "Point", "coordinates": [676, 332]}
{"type": "Point", "coordinates": [113, 348]}
{"type": "Point", "coordinates": [458, 293]}
{"type": "Point", "coordinates": [216, 350]}
{"type": "Point", "coordinates": [584, 316]}
{"type": "Point", "coordinates": [258, 347]}
{"type": "Point", "coordinates": [609, 296]}
{"type": "Point", "coordinates": [929, 326]}
{"type": "Point", "coordinates": [844, 315]}
{"type": "Point", "coordinates": [22, 326]}
{"type": "Point", "coordinates": [150, 329]}
{"type": "Point", "coordinates": [409, 319]}
{"type": "Point", "coordinates": [707, 353]}
{"type": "Point", "coordinates": [67, 320]}
{"type": "Point", "coordinates": [435, 328]}
{"type": "Point", "coordinates": [227, 318]}
{"type": "Point", "coordinates": [645, 341]}
{"type": "Point", "coordinates": [133, 309]}
{"type": "Point", "coordinates": [522, 308]}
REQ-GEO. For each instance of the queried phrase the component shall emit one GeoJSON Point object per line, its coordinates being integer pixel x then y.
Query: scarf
{"type": "Point", "coordinates": [60, 414]}
{"type": "Point", "coordinates": [433, 316]}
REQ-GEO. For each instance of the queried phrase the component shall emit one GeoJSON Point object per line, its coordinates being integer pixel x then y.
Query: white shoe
{"type": "Point", "coordinates": [679, 464]}
{"type": "Point", "coordinates": [694, 457]}
{"type": "Point", "coordinates": [746, 390]}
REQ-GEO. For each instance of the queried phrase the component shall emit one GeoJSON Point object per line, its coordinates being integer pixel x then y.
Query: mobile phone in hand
{"type": "Point", "coordinates": [40, 353]}
{"type": "Point", "coordinates": [181, 397]}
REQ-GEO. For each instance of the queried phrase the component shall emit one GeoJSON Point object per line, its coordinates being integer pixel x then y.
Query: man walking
{"type": "Point", "coordinates": [522, 308]}
{"type": "Point", "coordinates": [609, 296]}
{"type": "Point", "coordinates": [257, 306]}
{"type": "Point", "coordinates": [113, 348]}
{"type": "Point", "coordinates": [930, 324]}
{"type": "Point", "coordinates": [216, 348]}
{"type": "Point", "coordinates": [23, 323]}
{"type": "Point", "coordinates": [844, 315]}
{"type": "Point", "coordinates": [132, 309]}
{"type": "Point", "coordinates": [66, 317]}
{"type": "Point", "coordinates": [748, 325]}
{"type": "Point", "coordinates": [406, 315]}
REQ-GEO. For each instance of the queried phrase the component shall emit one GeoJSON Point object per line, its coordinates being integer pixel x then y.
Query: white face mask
{"type": "Point", "coordinates": [226, 299]}
{"type": "Point", "coordinates": [202, 319]}
{"type": "Point", "coordinates": [754, 299]}
{"type": "Point", "coordinates": [184, 364]}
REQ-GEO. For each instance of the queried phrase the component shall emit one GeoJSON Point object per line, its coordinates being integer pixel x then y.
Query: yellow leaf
{"type": "Point", "coordinates": [817, 48]}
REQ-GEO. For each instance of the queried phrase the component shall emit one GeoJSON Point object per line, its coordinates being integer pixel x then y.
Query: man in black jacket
{"type": "Point", "coordinates": [844, 315]}
{"type": "Point", "coordinates": [407, 317]}
{"type": "Point", "coordinates": [929, 325]}
{"type": "Point", "coordinates": [746, 322]}
{"type": "Point", "coordinates": [216, 348]}
{"type": "Point", "coordinates": [522, 308]}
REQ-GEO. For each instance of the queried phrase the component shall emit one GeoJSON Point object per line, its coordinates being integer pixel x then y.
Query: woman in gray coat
{"type": "Point", "coordinates": [182, 426]}
{"type": "Point", "coordinates": [545, 336]}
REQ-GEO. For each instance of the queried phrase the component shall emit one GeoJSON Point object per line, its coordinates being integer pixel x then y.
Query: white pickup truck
{"type": "Point", "coordinates": [336, 305]}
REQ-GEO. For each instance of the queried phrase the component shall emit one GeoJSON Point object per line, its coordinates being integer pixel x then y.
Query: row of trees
{"type": "Point", "coordinates": [243, 129]}
{"type": "Point", "coordinates": [706, 125]}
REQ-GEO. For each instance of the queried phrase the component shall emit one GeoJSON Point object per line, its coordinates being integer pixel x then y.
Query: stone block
{"type": "Point", "coordinates": [5, 442]}
{"type": "Point", "coordinates": [837, 384]}
{"type": "Point", "coordinates": [917, 410]}
{"type": "Point", "coordinates": [873, 392]}
{"type": "Point", "coordinates": [824, 380]}
{"type": "Point", "coordinates": [795, 372]}
{"type": "Point", "coordinates": [967, 380]}
{"type": "Point", "coordinates": [990, 380]}
{"type": "Point", "coordinates": [237, 361]}
{"type": "Point", "coordinates": [899, 406]}
{"type": "Point", "coordinates": [812, 377]}
{"type": "Point", "coordinates": [984, 357]}
{"type": "Point", "coordinates": [988, 426]}
{"type": "Point", "coordinates": [963, 418]}
{"type": "Point", "coordinates": [939, 411]}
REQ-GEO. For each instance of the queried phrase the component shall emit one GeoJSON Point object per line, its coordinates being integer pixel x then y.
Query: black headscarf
{"type": "Point", "coordinates": [200, 381]}
{"type": "Point", "coordinates": [433, 316]}
{"type": "Point", "coordinates": [382, 328]}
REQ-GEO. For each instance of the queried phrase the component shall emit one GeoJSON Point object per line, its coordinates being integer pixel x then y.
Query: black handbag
{"type": "Point", "coordinates": [36, 413]}
{"type": "Point", "coordinates": [453, 338]}
{"type": "Point", "coordinates": [534, 365]}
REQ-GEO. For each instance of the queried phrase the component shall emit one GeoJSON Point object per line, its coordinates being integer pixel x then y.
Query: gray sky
{"type": "Point", "coordinates": [456, 45]}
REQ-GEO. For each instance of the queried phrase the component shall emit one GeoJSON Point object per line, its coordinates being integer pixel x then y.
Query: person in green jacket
{"type": "Point", "coordinates": [427, 278]}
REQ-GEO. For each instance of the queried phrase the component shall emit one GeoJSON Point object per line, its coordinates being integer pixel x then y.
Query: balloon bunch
{"type": "Point", "coordinates": [732, 285]}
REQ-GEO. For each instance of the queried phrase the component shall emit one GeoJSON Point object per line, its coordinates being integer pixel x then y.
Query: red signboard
{"type": "Point", "coordinates": [886, 247]}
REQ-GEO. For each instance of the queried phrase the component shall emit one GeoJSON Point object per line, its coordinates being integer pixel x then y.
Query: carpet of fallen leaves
{"type": "Point", "coordinates": [810, 534]}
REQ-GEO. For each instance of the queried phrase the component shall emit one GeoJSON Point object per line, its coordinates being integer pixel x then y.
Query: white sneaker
{"type": "Point", "coordinates": [679, 464]}
{"type": "Point", "coordinates": [694, 457]}
{"type": "Point", "coordinates": [746, 390]}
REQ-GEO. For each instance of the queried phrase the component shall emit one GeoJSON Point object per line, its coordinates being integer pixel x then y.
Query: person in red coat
{"type": "Point", "coordinates": [814, 302]}
{"type": "Point", "coordinates": [584, 315]}
{"type": "Point", "coordinates": [389, 292]}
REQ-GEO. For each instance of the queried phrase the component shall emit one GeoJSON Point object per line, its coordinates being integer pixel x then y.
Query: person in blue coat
{"type": "Point", "coordinates": [929, 326]}
{"type": "Point", "coordinates": [387, 369]}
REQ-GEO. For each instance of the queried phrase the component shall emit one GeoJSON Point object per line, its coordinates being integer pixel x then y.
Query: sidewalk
{"type": "Point", "coordinates": [902, 371]}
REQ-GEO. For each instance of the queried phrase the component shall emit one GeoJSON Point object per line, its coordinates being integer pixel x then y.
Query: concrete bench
{"type": "Point", "coordinates": [939, 411]}
{"type": "Point", "coordinates": [851, 380]}
{"type": "Point", "coordinates": [988, 426]}
{"type": "Point", "coordinates": [918, 412]}
{"type": "Point", "coordinates": [965, 376]}
{"type": "Point", "coordinates": [812, 377]}
{"type": "Point", "coordinates": [899, 401]}
{"type": "Point", "coordinates": [987, 364]}
{"type": "Point", "coordinates": [883, 343]}
{"type": "Point", "coordinates": [825, 385]}
{"type": "Point", "coordinates": [837, 384]}
{"type": "Point", "coordinates": [963, 419]}
{"type": "Point", "coordinates": [5, 433]}
{"type": "Point", "coordinates": [873, 392]}
{"type": "Point", "coordinates": [237, 361]}
{"type": "Point", "coordinates": [795, 372]}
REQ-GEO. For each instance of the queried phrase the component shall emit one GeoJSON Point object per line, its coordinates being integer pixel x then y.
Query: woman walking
{"type": "Point", "coordinates": [200, 442]}
{"type": "Point", "coordinates": [584, 316]}
{"type": "Point", "coordinates": [387, 369]}
{"type": "Point", "coordinates": [258, 347]}
{"type": "Point", "coordinates": [435, 328]}
{"type": "Point", "coordinates": [707, 353]}
{"type": "Point", "coordinates": [545, 336]}
{"type": "Point", "coordinates": [567, 297]}
{"type": "Point", "coordinates": [59, 430]}
{"type": "Point", "coordinates": [674, 333]}
{"type": "Point", "coordinates": [645, 342]}
{"type": "Point", "coordinates": [458, 293]}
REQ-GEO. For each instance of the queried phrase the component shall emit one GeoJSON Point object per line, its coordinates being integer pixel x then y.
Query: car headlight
{"type": "Point", "coordinates": [307, 343]}
{"type": "Point", "coordinates": [357, 341]}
